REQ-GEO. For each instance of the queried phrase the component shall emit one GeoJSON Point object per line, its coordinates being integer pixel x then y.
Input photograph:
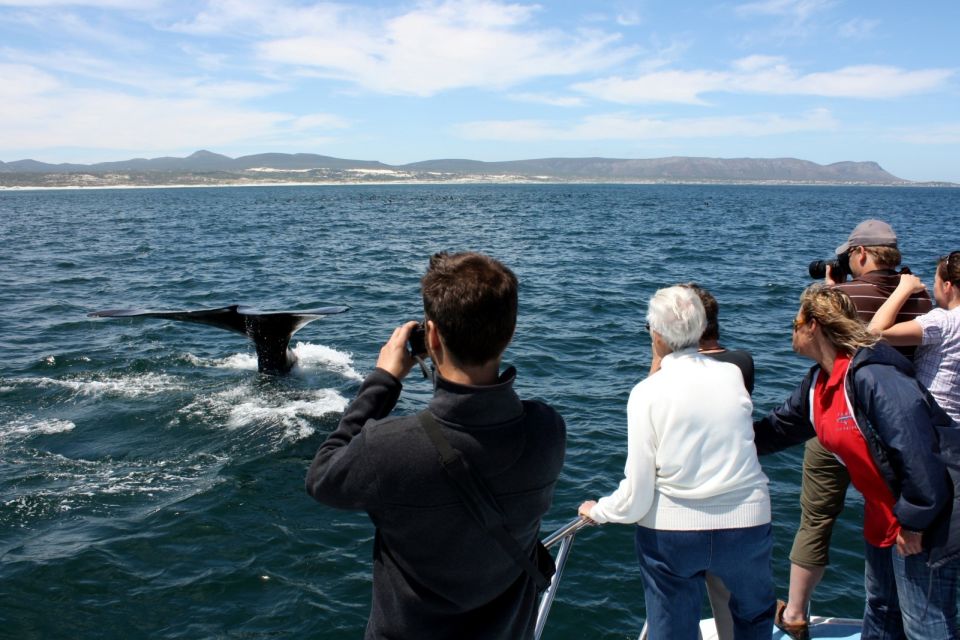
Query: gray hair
{"type": "Point", "coordinates": [677, 314]}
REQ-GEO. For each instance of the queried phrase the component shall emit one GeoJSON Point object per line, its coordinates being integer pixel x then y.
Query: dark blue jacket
{"type": "Point", "coordinates": [911, 439]}
{"type": "Point", "coordinates": [436, 572]}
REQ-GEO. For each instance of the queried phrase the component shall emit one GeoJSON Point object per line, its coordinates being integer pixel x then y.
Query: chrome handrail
{"type": "Point", "coordinates": [564, 535]}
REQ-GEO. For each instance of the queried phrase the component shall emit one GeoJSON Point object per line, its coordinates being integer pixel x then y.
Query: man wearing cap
{"type": "Point", "coordinates": [873, 257]}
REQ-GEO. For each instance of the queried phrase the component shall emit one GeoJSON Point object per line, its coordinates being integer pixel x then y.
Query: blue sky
{"type": "Point", "coordinates": [821, 80]}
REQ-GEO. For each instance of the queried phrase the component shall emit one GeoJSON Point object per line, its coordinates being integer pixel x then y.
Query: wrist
{"type": "Point", "coordinates": [393, 378]}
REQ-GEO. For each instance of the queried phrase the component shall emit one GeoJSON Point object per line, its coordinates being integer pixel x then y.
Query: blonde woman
{"type": "Point", "coordinates": [861, 401]}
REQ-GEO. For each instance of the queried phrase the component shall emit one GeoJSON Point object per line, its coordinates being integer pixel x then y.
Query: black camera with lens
{"type": "Point", "coordinates": [417, 342]}
{"type": "Point", "coordinates": [839, 268]}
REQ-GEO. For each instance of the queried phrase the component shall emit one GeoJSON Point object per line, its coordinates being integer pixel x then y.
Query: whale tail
{"type": "Point", "coordinates": [270, 331]}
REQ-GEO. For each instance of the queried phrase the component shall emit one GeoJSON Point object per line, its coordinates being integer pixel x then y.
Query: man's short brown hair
{"type": "Point", "coordinates": [888, 257]}
{"type": "Point", "coordinates": [472, 299]}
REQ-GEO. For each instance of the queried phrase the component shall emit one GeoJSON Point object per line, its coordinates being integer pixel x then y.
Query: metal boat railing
{"type": "Point", "coordinates": [564, 536]}
{"type": "Point", "coordinates": [847, 628]}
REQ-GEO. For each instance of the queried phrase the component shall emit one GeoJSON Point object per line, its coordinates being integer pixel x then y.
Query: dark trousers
{"type": "Point", "coordinates": [673, 565]}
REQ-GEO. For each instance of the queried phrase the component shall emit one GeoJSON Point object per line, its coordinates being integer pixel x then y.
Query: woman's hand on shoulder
{"type": "Point", "coordinates": [911, 283]}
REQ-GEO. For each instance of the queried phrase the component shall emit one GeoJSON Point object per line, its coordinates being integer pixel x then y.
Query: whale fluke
{"type": "Point", "coordinates": [270, 330]}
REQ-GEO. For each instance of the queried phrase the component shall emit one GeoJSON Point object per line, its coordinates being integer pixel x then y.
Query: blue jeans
{"type": "Point", "coordinates": [906, 599]}
{"type": "Point", "coordinates": [673, 564]}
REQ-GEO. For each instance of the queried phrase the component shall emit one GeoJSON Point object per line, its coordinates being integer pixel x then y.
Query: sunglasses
{"type": "Point", "coordinates": [798, 322]}
{"type": "Point", "coordinates": [950, 256]}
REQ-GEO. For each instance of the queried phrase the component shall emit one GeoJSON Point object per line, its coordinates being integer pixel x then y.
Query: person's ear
{"type": "Point", "coordinates": [433, 336]}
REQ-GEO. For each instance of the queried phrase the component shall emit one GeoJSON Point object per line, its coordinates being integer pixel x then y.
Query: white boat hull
{"type": "Point", "coordinates": [820, 627]}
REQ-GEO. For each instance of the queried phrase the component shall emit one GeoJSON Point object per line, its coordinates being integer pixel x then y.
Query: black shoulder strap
{"type": "Point", "coordinates": [481, 504]}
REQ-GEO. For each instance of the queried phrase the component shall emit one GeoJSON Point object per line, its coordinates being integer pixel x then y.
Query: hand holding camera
{"type": "Point", "coordinates": [417, 346]}
{"type": "Point", "coordinates": [394, 357]}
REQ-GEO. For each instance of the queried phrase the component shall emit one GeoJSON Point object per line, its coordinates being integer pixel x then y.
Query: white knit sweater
{"type": "Point", "coordinates": [691, 462]}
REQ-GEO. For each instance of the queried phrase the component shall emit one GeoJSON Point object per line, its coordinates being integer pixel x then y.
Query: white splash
{"type": "Point", "coordinates": [318, 355]}
{"type": "Point", "coordinates": [295, 416]}
{"type": "Point", "coordinates": [239, 361]}
{"type": "Point", "coordinates": [309, 356]}
{"type": "Point", "coordinates": [126, 386]}
{"type": "Point", "coordinates": [27, 426]}
{"type": "Point", "coordinates": [247, 407]}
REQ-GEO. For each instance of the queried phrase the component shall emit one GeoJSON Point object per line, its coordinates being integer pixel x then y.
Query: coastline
{"type": "Point", "coordinates": [471, 180]}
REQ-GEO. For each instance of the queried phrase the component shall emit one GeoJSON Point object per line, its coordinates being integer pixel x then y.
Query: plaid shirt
{"type": "Point", "coordinates": [938, 359]}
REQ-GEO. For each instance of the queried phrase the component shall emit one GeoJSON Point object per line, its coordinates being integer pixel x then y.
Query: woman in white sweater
{"type": "Point", "coordinates": [692, 482]}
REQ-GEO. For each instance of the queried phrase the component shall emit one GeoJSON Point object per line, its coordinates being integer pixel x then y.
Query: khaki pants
{"type": "Point", "coordinates": [825, 482]}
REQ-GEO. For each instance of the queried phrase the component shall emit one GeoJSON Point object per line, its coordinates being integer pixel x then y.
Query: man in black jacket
{"type": "Point", "coordinates": [436, 572]}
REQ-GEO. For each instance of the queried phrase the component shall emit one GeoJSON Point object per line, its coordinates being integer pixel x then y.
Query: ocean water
{"type": "Point", "coordinates": [151, 481]}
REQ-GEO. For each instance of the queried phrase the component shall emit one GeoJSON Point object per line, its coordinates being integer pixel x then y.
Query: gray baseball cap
{"type": "Point", "coordinates": [869, 233]}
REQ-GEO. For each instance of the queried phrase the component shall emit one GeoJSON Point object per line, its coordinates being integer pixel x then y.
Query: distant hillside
{"type": "Point", "coordinates": [205, 167]}
{"type": "Point", "coordinates": [680, 168]}
{"type": "Point", "coordinates": [198, 161]}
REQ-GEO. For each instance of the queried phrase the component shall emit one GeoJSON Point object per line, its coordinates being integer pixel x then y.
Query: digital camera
{"type": "Point", "coordinates": [839, 268]}
{"type": "Point", "coordinates": [417, 343]}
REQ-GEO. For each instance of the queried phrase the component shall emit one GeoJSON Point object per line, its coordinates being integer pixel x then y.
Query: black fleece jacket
{"type": "Point", "coordinates": [436, 573]}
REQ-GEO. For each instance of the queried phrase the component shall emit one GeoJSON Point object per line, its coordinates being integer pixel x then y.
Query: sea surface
{"type": "Point", "coordinates": [151, 481]}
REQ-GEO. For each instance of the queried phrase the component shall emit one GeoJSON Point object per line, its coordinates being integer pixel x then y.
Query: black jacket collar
{"type": "Point", "coordinates": [476, 406]}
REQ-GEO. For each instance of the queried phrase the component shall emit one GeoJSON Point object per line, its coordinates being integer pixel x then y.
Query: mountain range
{"type": "Point", "coordinates": [565, 169]}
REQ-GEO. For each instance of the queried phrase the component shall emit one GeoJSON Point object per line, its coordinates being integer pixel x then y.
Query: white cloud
{"type": "Point", "coordinates": [106, 4]}
{"type": "Point", "coordinates": [553, 101]}
{"type": "Point", "coordinates": [629, 18]}
{"type": "Point", "coordinates": [858, 28]}
{"type": "Point", "coordinates": [766, 75]}
{"type": "Point", "coordinates": [659, 86]}
{"type": "Point", "coordinates": [320, 121]}
{"type": "Point", "coordinates": [792, 21]}
{"type": "Point", "coordinates": [437, 47]}
{"type": "Point", "coordinates": [799, 10]}
{"type": "Point", "coordinates": [233, 18]}
{"type": "Point", "coordinates": [934, 134]}
{"type": "Point", "coordinates": [756, 62]}
{"type": "Point", "coordinates": [632, 127]}
{"type": "Point", "coordinates": [211, 61]}
{"type": "Point", "coordinates": [36, 112]}
{"type": "Point", "coordinates": [70, 63]}
{"type": "Point", "coordinates": [22, 81]}
{"type": "Point", "coordinates": [868, 81]}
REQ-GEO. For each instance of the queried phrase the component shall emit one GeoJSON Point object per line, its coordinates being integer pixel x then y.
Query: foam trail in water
{"type": "Point", "coordinates": [246, 406]}
{"type": "Point", "coordinates": [78, 483]}
{"type": "Point", "coordinates": [27, 426]}
{"type": "Point", "coordinates": [296, 416]}
{"type": "Point", "coordinates": [126, 386]}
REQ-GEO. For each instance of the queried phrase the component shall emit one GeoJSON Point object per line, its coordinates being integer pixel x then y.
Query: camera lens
{"type": "Point", "coordinates": [818, 269]}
